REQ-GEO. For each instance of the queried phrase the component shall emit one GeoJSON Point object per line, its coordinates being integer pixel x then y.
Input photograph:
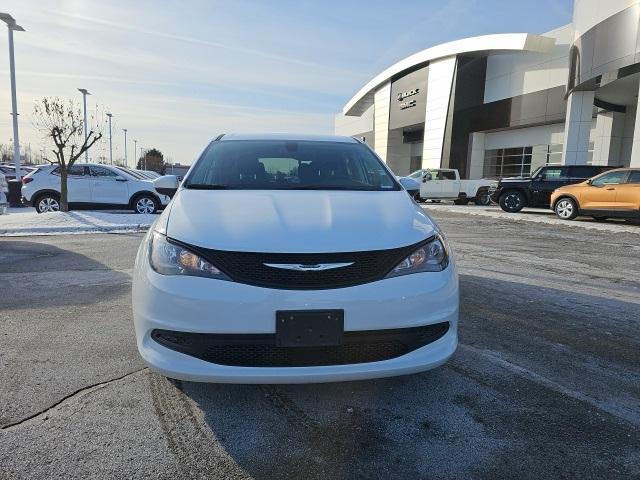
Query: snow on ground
{"type": "Point", "coordinates": [26, 221]}
{"type": "Point", "coordinates": [537, 215]}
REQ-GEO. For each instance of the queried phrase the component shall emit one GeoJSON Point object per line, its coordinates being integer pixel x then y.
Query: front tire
{"type": "Point", "coordinates": [566, 209]}
{"type": "Point", "coordinates": [512, 201]}
{"type": "Point", "coordinates": [482, 199]}
{"type": "Point", "coordinates": [47, 202]}
{"type": "Point", "coordinates": [145, 204]}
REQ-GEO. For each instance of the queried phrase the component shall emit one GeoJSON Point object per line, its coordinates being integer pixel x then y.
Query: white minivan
{"type": "Point", "coordinates": [92, 186]}
{"type": "Point", "coordinates": [290, 259]}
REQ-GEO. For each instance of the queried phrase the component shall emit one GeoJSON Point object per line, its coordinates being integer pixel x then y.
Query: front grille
{"type": "Point", "coordinates": [250, 268]}
{"type": "Point", "coordinates": [260, 350]}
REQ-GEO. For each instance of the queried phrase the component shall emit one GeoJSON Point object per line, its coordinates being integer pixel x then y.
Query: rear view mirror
{"type": "Point", "coordinates": [166, 185]}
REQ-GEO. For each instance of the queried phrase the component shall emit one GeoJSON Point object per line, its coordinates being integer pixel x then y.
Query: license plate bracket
{"type": "Point", "coordinates": [309, 328]}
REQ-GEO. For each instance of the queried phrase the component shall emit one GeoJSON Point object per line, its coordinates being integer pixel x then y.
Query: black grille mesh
{"type": "Point", "coordinates": [260, 350]}
{"type": "Point", "coordinates": [249, 268]}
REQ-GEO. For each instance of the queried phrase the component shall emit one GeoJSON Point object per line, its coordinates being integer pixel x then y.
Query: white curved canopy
{"type": "Point", "coordinates": [503, 42]}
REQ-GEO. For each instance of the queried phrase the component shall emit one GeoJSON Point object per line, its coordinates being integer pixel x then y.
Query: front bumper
{"type": "Point", "coordinates": [191, 304]}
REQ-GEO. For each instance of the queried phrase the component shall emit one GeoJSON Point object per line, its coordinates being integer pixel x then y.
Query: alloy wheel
{"type": "Point", "coordinates": [564, 208]}
{"type": "Point", "coordinates": [512, 201]}
{"type": "Point", "coordinates": [48, 204]}
{"type": "Point", "coordinates": [145, 205]}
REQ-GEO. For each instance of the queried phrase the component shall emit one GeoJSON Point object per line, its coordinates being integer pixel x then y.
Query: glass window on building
{"type": "Point", "coordinates": [520, 161]}
{"type": "Point", "coordinates": [590, 153]}
{"type": "Point", "coordinates": [554, 154]}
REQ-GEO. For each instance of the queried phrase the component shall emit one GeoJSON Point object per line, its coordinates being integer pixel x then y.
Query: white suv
{"type": "Point", "coordinates": [92, 186]}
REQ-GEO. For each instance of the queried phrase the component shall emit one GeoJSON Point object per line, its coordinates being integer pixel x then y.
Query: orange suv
{"type": "Point", "coordinates": [615, 193]}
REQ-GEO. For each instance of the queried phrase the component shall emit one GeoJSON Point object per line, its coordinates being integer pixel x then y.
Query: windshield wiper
{"type": "Point", "coordinates": [206, 186]}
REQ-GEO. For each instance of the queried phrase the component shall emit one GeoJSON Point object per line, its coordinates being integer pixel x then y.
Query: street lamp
{"type": "Point", "coordinates": [126, 163]}
{"type": "Point", "coordinates": [85, 92]}
{"type": "Point", "coordinates": [12, 25]}
{"type": "Point", "coordinates": [135, 152]}
{"type": "Point", "coordinates": [110, 138]}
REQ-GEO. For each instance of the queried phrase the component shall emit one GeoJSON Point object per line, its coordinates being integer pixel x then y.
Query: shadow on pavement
{"type": "Point", "coordinates": [471, 418]}
{"type": "Point", "coordinates": [41, 275]}
{"type": "Point", "coordinates": [66, 324]}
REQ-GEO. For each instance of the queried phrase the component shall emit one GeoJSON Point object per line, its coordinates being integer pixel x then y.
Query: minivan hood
{"type": "Point", "coordinates": [297, 221]}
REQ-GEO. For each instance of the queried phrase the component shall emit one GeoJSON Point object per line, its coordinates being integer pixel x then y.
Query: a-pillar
{"type": "Point", "coordinates": [577, 128]}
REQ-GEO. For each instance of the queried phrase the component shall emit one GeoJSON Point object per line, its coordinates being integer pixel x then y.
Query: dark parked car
{"type": "Point", "coordinates": [513, 194]}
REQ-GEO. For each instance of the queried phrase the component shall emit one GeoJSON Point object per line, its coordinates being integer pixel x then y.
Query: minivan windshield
{"type": "Point", "coordinates": [289, 165]}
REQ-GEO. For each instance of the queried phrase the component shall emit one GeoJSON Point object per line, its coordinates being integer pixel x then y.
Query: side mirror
{"type": "Point", "coordinates": [409, 184]}
{"type": "Point", "coordinates": [590, 181]}
{"type": "Point", "coordinates": [166, 185]}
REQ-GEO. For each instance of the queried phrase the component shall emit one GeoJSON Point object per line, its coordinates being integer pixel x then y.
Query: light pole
{"type": "Point", "coordinates": [135, 152]}
{"type": "Point", "coordinates": [12, 25]}
{"type": "Point", "coordinates": [110, 143]}
{"type": "Point", "coordinates": [126, 163]}
{"type": "Point", "coordinates": [85, 92]}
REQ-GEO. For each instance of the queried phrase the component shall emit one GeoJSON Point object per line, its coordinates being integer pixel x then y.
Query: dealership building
{"type": "Point", "coordinates": [505, 104]}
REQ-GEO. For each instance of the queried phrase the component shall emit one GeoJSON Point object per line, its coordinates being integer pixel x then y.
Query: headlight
{"type": "Point", "coordinates": [170, 259]}
{"type": "Point", "coordinates": [430, 257]}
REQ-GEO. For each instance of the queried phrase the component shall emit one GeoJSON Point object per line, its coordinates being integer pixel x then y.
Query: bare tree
{"type": "Point", "coordinates": [61, 121]}
{"type": "Point", "coordinates": [6, 153]}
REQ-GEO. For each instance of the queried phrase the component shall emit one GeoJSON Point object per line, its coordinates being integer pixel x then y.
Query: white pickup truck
{"type": "Point", "coordinates": [445, 184]}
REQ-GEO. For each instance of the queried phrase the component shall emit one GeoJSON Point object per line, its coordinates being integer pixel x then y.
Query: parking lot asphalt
{"type": "Point", "coordinates": [545, 383]}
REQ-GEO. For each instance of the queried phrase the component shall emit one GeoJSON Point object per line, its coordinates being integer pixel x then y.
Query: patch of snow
{"type": "Point", "coordinates": [26, 221]}
{"type": "Point", "coordinates": [536, 215]}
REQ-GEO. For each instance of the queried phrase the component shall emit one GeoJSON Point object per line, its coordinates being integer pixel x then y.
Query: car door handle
{"type": "Point", "coordinates": [610, 188]}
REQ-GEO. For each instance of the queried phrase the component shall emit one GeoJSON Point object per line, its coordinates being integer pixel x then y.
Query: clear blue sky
{"type": "Point", "coordinates": [176, 73]}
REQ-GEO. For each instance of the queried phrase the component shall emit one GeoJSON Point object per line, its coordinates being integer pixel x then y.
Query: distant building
{"type": "Point", "coordinates": [502, 105]}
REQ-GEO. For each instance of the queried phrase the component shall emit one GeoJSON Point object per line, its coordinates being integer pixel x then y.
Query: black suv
{"type": "Point", "coordinates": [513, 194]}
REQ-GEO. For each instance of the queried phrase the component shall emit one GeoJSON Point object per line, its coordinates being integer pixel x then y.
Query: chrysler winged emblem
{"type": "Point", "coordinates": [314, 267]}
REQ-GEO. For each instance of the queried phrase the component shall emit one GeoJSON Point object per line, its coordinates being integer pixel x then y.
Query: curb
{"type": "Point", "coordinates": [43, 231]}
{"type": "Point", "coordinates": [541, 220]}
